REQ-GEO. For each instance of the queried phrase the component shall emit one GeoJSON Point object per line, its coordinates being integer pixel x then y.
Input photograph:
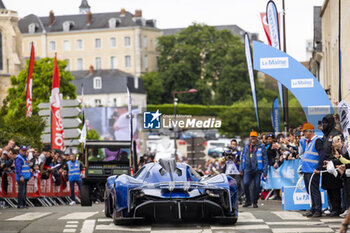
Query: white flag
{"type": "Point", "coordinates": [83, 135]}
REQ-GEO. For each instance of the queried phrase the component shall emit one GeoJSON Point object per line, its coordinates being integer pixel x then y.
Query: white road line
{"type": "Point", "coordinates": [78, 215]}
{"type": "Point", "coordinates": [295, 223]}
{"type": "Point", "coordinates": [88, 226]}
{"type": "Point", "coordinates": [121, 228]}
{"type": "Point", "coordinates": [71, 226]}
{"type": "Point", "coordinates": [285, 215]}
{"type": "Point", "coordinates": [104, 220]}
{"type": "Point", "coordinates": [334, 225]}
{"type": "Point", "coordinates": [72, 222]}
{"type": "Point", "coordinates": [243, 227]}
{"type": "Point", "coordinates": [248, 217]}
{"type": "Point", "coordinates": [301, 230]}
{"type": "Point", "coordinates": [332, 219]}
{"type": "Point", "coordinates": [69, 230]}
{"type": "Point", "coordinates": [28, 216]}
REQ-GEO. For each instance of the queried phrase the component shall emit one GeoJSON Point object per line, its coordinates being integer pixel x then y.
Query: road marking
{"type": "Point", "coordinates": [78, 215]}
{"type": "Point", "coordinates": [289, 215]}
{"type": "Point", "coordinates": [332, 219]}
{"type": "Point", "coordinates": [104, 220]}
{"type": "Point", "coordinates": [334, 225]}
{"type": "Point", "coordinates": [71, 226]}
{"type": "Point", "coordinates": [121, 228]}
{"type": "Point", "coordinates": [88, 226]}
{"type": "Point", "coordinates": [69, 230]}
{"type": "Point", "coordinates": [29, 216]}
{"type": "Point", "coordinates": [295, 223]}
{"type": "Point", "coordinates": [184, 231]}
{"type": "Point", "coordinates": [72, 222]}
{"type": "Point", "coordinates": [248, 217]}
{"type": "Point", "coordinates": [244, 227]}
{"type": "Point", "coordinates": [301, 230]}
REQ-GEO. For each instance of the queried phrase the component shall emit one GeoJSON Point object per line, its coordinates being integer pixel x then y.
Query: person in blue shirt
{"type": "Point", "coordinates": [23, 174]}
{"type": "Point", "coordinates": [253, 165]}
{"type": "Point", "coordinates": [74, 169]}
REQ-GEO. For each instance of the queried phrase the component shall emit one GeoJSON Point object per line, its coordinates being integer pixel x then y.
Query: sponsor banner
{"type": "Point", "coordinates": [248, 56]}
{"type": "Point", "coordinates": [296, 198]}
{"type": "Point", "coordinates": [318, 110]}
{"type": "Point", "coordinates": [29, 107]}
{"type": "Point", "coordinates": [285, 175]}
{"type": "Point", "coordinates": [302, 83]}
{"type": "Point", "coordinates": [274, 63]}
{"type": "Point", "coordinates": [272, 20]}
{"type": "Point", "coordinates": [266, 27]}
{"type": "Point", "coordinates": [276, 116]}
{"type": "Point", "coordinates": [57, 138]}
{"type": "Point", "coordinates": [344, 117]}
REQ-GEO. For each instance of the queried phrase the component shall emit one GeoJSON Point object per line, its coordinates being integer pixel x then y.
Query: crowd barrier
{"type": "Point", "coordinates": [37, 188]}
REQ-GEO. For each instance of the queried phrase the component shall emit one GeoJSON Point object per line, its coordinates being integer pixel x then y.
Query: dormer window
{"type": "Point", "coordinates": [32, 27]}
{"type": "Point", "coordinates": [113, 22]}
{"type": "Point", "coordinates": [67, 25]}
{"type": "Point", "coordinates": [97, 83]}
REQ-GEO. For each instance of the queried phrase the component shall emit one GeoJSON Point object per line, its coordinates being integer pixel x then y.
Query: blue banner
{"type": "Point", "coordinates": [296, 78]}
{"type": "Point", "coordinates": [272, 20]}
{"type": "Point", "coordinates": [273, 125]}
{"type": "Point", "coordinates": [285, 175]}
{"type": "Point", "coordinates": [276, 116]}
{"type": "Point", "coordinates": [248, 56]}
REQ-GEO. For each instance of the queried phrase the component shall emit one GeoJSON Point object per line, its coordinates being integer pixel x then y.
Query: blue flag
{"type": "Point", "coordinates": [276, 116]}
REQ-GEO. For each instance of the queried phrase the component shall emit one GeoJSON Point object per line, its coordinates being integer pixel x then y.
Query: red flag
{"type": "Point", "coordinates": [266, 25]}
{"type": "Point", "coordinates": [29, 109]}
{"type": "Point", "coordinates": [57, 139]}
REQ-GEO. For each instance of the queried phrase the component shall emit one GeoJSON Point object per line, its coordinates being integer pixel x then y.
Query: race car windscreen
{"type": "Point", "coordinates": [155, 175]}
{"type": "Point", "coordinates": [108, 154]}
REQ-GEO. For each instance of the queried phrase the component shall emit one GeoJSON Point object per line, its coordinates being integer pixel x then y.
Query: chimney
{"type": "Point", "coordinates": [89, 18]}
{"type": "Point", "coordinates": [122, 12]}
{"type": "Point", "coordinates": [138, 14]}
{"type": "Point", "coordinates": [91, 69]}
{"type": "Point", "coordinates": [51, 18]}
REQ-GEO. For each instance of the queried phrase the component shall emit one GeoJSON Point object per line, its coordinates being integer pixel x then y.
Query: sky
{"type": "Point", "coordinates": [183, 13]}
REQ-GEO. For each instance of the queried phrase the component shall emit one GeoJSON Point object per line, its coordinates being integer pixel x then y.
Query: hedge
{"type": "Point", "coordinates": [188, 109]}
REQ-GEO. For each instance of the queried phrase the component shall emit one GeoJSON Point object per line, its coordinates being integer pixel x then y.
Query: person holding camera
{"type": "Point", "coordinates": [253, 166]}
{"type": "Point", "coordinates": [231, 168]}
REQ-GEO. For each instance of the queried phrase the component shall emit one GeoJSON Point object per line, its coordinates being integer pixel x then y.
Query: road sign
{"type": "Point", "coordinates": [65, 112]}
{"type": "Point", "coordinates": [64, 103]}
{"type": "Point", "coordinates": [67, 122]}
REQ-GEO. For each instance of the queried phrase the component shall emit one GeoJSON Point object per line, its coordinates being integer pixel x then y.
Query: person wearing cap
{"type": "Point", "coordinates": [254, 164]}
{"type": "Point", "coordinates": [23, 174]}
{"type": "Point", "coordinates": [329, 182]}
{"type": "Point", "coordinates": [311, 165]}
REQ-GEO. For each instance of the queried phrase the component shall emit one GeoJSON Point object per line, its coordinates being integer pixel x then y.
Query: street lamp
{"type": "Point", "coordinates": [175, 103]}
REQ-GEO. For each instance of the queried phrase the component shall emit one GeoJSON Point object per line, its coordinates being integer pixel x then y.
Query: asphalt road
{"type": "Point", "coordinates": [269, 217]}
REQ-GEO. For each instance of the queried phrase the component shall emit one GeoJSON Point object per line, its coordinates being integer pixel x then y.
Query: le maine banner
{"type": "Point", "coordinates": [296, 78]}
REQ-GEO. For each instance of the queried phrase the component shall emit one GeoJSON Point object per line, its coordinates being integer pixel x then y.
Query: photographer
{"type": "Point", "coordinates": [233, 157]}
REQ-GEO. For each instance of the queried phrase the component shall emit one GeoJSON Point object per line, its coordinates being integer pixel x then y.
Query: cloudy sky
{"type": "Point", "coordinates": [182, 13]}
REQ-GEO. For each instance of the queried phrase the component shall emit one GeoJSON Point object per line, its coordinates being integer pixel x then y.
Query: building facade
{"type": "Point", "coordinates": [11, 59]}
{"type": "Point", "coordinates": [116, 40]}
{"type": "Point", "coordinates": [337, 88]}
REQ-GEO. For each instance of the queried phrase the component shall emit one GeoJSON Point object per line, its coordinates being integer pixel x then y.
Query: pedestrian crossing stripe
{"type": "Point", "coordinates": [286, 215]}
{"type": "Point", "coordinates": [301, 230]}
{"type": "Point", "coordinates": [78, 215]}
{"type": "Point", "coordinates": [29, 216]}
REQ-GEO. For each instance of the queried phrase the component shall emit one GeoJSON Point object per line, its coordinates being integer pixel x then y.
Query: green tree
{"type": "Point", "coordinates": [41, 87]}
{"type": "Point", "coordinates": [154, 87]}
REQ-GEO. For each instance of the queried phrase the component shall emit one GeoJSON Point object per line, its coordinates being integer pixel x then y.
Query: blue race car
{"type": "Point", "coordinates": [170, 191]}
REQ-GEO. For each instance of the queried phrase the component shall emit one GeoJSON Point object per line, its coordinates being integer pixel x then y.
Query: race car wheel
{"type": "Point", "coordinates": [108, 207]}
{"type": "Point", "coordinates": [85, 195]}
{"type": "Point", "coordinates": [117, 217]}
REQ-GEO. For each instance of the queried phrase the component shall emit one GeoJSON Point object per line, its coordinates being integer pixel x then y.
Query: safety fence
{"type": "Point", "coordinates": [42, 192]}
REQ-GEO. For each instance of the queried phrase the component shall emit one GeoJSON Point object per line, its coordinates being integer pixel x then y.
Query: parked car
{"type": "Point", "coordinates": [170, 191]}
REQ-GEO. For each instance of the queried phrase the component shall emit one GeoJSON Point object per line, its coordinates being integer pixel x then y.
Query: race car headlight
{"type": "Point", "coordinates": [212, 194]}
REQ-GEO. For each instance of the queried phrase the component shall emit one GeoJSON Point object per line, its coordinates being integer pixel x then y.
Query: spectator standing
{"type": "Point", "coordinates": [23, 174]}
{"type": "Point", "coordinates": [253, 165]}
{"type": "Point", "coordinates": [329, 182]}
{"type": "Point", "coordinates": [74, 169]}
{"type": "Point", "coordinates": [311, 166]}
